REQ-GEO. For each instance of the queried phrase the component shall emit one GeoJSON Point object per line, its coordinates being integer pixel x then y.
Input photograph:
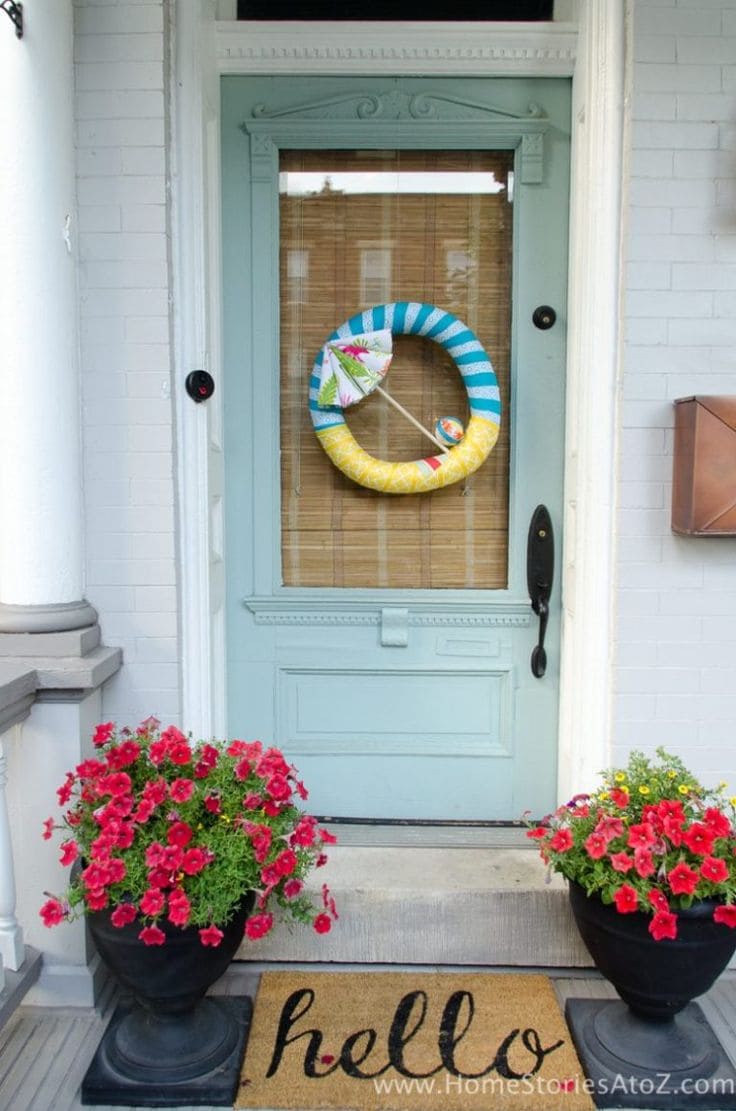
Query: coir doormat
{"type": "Point", "coordinates": [410, 1042]}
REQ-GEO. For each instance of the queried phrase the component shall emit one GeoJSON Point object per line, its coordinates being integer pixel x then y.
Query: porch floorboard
{"type": "Point", "coordinates": [44, 1053]}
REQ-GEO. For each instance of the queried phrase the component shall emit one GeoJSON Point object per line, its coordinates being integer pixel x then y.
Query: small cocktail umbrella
{"type": "Point", "coordinates": [355, 367]}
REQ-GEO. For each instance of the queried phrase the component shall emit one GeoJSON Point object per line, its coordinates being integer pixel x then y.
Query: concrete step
{"type": "Point", "coordinates": [417, 905]}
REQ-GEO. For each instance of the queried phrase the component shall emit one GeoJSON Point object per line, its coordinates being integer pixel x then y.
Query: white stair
{"type": "Point", "coordinates": [450, 906]}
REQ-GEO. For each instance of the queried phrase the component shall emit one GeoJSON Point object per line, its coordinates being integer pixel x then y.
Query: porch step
{"type": "Point", "coordinates": [416, 905]}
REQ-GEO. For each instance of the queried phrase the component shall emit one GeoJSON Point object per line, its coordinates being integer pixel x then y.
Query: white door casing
{"type": "Point", "coordinates": [593, 53]}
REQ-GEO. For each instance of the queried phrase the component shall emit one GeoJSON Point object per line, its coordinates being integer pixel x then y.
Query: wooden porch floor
{"type": "Point", "coordinates": [45, 1053]}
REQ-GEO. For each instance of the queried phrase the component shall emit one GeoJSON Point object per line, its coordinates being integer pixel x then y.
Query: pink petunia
{"type": "Point", "coordinates": [662, 925]}
{"type": "Point", "coordinates": [596, 846]}
{"type": "Point", "coordinates": [621, 862]}
{"type": "Point", "coordinates": [561, 841]}
{"type": "Point", "coordinates": [322, 923]}
{"type": "Point", "coordinates": [52, 912]}
{"type": "Point", "coordinates": [152, 935]}
{"type": "Point", "coordinates": [714, 869]}
{"type": "Point", "coordinates": [626, 899]}
{"type": "Point", "coordinates": [726, 915]}
{"type": "Point", "coordinates": [181, 790]}
{"type": "Point", "coordinates": [210, 935]}
{"type": "Point", "coordinates": [683, 879]}
{"type": "Point", "coordinates": [258, 925]}
{"type": "Point", "coordinates": [123, 915]}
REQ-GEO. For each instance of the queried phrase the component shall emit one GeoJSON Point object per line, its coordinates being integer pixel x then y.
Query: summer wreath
{"type": "Point", "coordinates": [352, 364]}
{"type": "Point", "coordinates": [163, 831]}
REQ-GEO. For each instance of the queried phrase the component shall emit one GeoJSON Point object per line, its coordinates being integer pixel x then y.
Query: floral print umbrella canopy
{"type": "Point", "coordinates": [352, 368]}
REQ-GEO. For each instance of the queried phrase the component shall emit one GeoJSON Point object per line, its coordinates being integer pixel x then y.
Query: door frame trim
{"type": "Point", "coordinates": [593, 53]}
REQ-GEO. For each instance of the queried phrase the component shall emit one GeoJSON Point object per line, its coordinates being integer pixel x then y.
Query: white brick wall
{"type": "Point", "coordinates": [676, 597]}
{"type": "Point", "coordinates": [120, 74]}
{"type": "Point", "coordinates": [676, 626]}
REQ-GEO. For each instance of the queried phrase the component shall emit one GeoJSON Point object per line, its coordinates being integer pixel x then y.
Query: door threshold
{"type": "Point", "coordinates": [367, 832]}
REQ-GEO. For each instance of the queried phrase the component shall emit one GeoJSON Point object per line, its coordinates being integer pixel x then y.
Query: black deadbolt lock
{"type": "Point", "coordinates": [200, 385]}
{"type": "Point", "coordinates": [544, 317]}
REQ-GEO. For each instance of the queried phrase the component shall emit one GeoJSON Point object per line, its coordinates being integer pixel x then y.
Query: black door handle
{"type": "Point", "coordinates": [540, 566]}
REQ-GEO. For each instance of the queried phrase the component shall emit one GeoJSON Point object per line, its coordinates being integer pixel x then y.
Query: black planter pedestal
{"type": "Point", "coordinates": [169, 1043]}
{"type": "Point", "coordinates": [634, 1062]}
{"type": "Point", "coordinates": [652, 1048]}
{"type": "Point", "coordinates": [151, 1061]}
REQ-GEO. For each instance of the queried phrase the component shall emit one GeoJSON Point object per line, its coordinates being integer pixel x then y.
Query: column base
{"type": "Point", "coordinates": [55, 617]}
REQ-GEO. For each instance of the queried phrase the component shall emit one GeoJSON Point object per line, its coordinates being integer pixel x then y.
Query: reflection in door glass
{"type": "Point", "coordinates": [359, 228]}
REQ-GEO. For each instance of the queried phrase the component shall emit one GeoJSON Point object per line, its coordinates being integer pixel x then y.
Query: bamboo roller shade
{"type": "Point", "coordinates": [341, 253]}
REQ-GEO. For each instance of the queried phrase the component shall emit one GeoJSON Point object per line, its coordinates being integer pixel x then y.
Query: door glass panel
{"type": "Point", "coordinates": [360, 228]}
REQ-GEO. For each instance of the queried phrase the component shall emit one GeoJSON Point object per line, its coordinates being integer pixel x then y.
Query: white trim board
{"type": "Point", "coordinates": [593, 54]}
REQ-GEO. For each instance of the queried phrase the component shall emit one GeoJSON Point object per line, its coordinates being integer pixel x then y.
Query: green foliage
{"type": "Point", "coordinates": [157, 818]}
{"type": "Point", "coordinates": [648, 819]}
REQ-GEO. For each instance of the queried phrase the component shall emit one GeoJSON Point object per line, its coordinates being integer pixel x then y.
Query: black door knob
{"type": "Point", "coordinates": [200, 385]}
{"type": "Point", "coordinates": [544, 317]}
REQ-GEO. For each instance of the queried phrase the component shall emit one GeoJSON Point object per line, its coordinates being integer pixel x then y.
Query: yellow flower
{"type": "Point", "coordinates": [671, 775]}
{"type": "Point", "coordinates": [224, 818]}
{"type": "Point", "coordinates": [603, 796]}
{"type": "Point", "coordinates": [643, 790]}
{"type": "Point", "coordinates": [684, 789]}
{"type": "Point", "coordinates": [620, 777]}
{"type": "Point", "coordinates": [732, 800]}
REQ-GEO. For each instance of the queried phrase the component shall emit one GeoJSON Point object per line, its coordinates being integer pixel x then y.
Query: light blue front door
{"type": "Point", "coordinates": [384, 641]}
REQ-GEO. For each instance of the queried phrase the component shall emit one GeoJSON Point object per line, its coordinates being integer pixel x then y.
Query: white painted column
{"type": "Point", "coordinates": [41, 556]}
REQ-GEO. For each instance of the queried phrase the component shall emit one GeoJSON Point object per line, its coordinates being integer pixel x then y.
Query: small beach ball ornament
{"type": "Point", "coordinates": [449, 430]}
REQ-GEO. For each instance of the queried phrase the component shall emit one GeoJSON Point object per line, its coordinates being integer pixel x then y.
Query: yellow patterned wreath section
{"type": "Point", "coordinates": [413, 477]}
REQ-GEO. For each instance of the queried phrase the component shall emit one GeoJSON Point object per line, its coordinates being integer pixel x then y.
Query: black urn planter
{"type": "Point", "coordinates": [654, 1048]}
{"type": "Point", "coordinates": [169, 1044]}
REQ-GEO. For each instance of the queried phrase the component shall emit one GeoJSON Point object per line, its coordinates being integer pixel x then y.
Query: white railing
{"type": "Point", "coordinates": [12, 949]}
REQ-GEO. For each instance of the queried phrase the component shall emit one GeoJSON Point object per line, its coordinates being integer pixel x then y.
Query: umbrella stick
{"type": "Point", "coordinates": [409, 417]}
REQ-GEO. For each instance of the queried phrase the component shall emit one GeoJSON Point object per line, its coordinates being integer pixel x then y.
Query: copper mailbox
{"type": "Point", "coordinates": [704, 475]}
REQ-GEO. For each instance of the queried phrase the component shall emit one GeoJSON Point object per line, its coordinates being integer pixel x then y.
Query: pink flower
{"type": "Point", "coordinates": [210, 935]}
{"type": "Point", "coordinates": [596, 846]}
{"type": "Point", "coordinates": [717, 822]}
{"type": "Point", "coordinates": [683, 879]}
{"type": "Point", "coordinates": [663, 924]}
{"type": "Point", "coordinates": [658, 900]}
{"type": "Point", "coordinates": [286, 862]}
{"type": "Point", "coordinates": [181, 790]}
{"type": "Point", "coordinates": [180, 908]}
{"type": "Point", "coordinates": [621, 862]}
{"type": "Point", "coordinates": [643, 862]}
{"type": "Point", "coordinates": [641, 836]}
{"type": "Point", "coordinates": [610, 828]}
{"type": "Point", "coordinates": [179, 833]}
{"type": "Point", "coordinates": [620, 797]}
{"type": "Point", "coordinates": [626, 899]}
{"type": "Point", "coordinates": [123, 915]}
{"type": "Point", "coordinates": [152, 902]}
{"type": "Point", "coordinates": [699, 839]}
{"type": "Point", "coordinates": [96, 900]}
{"type": "Point", "coordinates": [278, 788]}
{"type": "Point", "coordinates": [270, 875]}
{"type": "Point", "coordinates": [714, 869]}
{"type": "Point", "coordinates": [252, 802]}
{"type": "Point", "coordinates": [305, 831]}
{"type": "Point", "coordinates": [726, 915]}
{"type": "Point", "coordinates": [561, 841]}
{"type": "Point", "coordinates": [143, 811]}
{"type": "Point", "coordinates": [124, 754]}
{"type": "Point", "coordinates": [193, 861]}
{"type": "Point", "coordinates": [52, 912]}
{"type": "Point", "coordinates": [292, 888]}
{"type": "Point", "coordinates": [48, 829]}
{"type": "Point", "coordinates": [152, 935]}
{"type": "Point", "coordinates": [258, 925]}
{"type": "Point", "coordinates": [327, 838]}
{"type": "Point", "coordinates": [322, 923]}
{"type": "Point", "coordinates": [103, 733]}
{"type": "Point", "coordinates": [180, 753]}
{"type": "Point", "coordinates": [212, 803]}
